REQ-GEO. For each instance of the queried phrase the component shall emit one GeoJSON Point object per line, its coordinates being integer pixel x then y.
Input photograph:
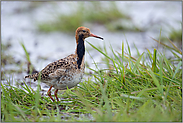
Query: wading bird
{"type": "Point", "coordinates": [66, 72]}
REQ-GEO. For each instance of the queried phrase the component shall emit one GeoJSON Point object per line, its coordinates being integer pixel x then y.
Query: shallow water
{"type": "Point", "coordinates": [19, 25]}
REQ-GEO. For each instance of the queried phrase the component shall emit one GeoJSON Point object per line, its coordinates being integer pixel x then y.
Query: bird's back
{"type": "Point", "coordinates": [55, 71]}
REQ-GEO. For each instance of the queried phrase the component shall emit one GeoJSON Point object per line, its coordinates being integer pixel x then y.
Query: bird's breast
{"type": "Point", "coordinates": [70, 80]}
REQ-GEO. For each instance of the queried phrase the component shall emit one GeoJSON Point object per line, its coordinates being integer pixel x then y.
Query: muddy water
{"type": "Point", "coordinates": [19, 25]}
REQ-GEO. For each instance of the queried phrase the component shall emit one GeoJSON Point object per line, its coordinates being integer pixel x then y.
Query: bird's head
{"type": "Point", "coordinates": [83, 32]}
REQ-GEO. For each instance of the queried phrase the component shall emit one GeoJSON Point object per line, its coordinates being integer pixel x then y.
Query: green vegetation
{"type": "Point", "coordinates": [175, 36]}
{"type": "Point", "coordinates": [145, 88]}
{"type": "Point", "coordinates": [93, 13]}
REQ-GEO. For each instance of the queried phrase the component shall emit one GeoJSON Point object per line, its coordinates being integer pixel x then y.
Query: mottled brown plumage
{"type": "Point", "coordinates": [66, 72]}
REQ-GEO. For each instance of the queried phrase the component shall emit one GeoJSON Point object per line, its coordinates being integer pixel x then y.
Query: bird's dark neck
{"type": "Point", "coordinates": [80, 50]}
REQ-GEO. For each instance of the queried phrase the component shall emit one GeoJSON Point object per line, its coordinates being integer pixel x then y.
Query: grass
{"type": "Point", "coordinates": [147, 87]}
{"type": "Point", "coordinates": [175, 36]}
{"type": "Point", "coordinates": [95, 12]}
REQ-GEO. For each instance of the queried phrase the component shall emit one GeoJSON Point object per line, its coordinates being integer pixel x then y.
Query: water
{"type": "Point", "coordinates": [19, 20]}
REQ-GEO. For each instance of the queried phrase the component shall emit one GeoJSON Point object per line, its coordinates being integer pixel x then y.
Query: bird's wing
{"type": "Point", "coordinates": [59, 67]}
{"type": "Point", "coordinates": [56, 69]}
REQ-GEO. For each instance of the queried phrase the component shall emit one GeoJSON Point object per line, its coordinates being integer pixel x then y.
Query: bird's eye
{"type": "Point", "coordinates": [84, 30]}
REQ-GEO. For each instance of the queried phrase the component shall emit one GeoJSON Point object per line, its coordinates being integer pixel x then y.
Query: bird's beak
{"type": "Point", "coordinates": [92, 35]}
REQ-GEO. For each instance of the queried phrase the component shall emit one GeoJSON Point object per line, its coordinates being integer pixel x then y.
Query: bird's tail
{"type": "Point", "coordinates": [33, 76]}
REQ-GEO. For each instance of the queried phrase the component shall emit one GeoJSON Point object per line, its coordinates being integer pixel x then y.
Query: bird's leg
{"type": "Point", "coordinates": [49, 93]}
{"type": "Point", "coordinates": [56, 95]}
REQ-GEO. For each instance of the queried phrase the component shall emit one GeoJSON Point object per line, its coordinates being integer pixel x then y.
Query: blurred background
{"type": "Point", "coordinates": [47, 29]}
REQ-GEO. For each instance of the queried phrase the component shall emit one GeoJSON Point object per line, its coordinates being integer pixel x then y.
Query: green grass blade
{"type": "Point", "coordinates": [177, 69]}
{"type": "Point", "coordinates": [26, 53]}
{"type": "Point", "coordinates": [154, 61]}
